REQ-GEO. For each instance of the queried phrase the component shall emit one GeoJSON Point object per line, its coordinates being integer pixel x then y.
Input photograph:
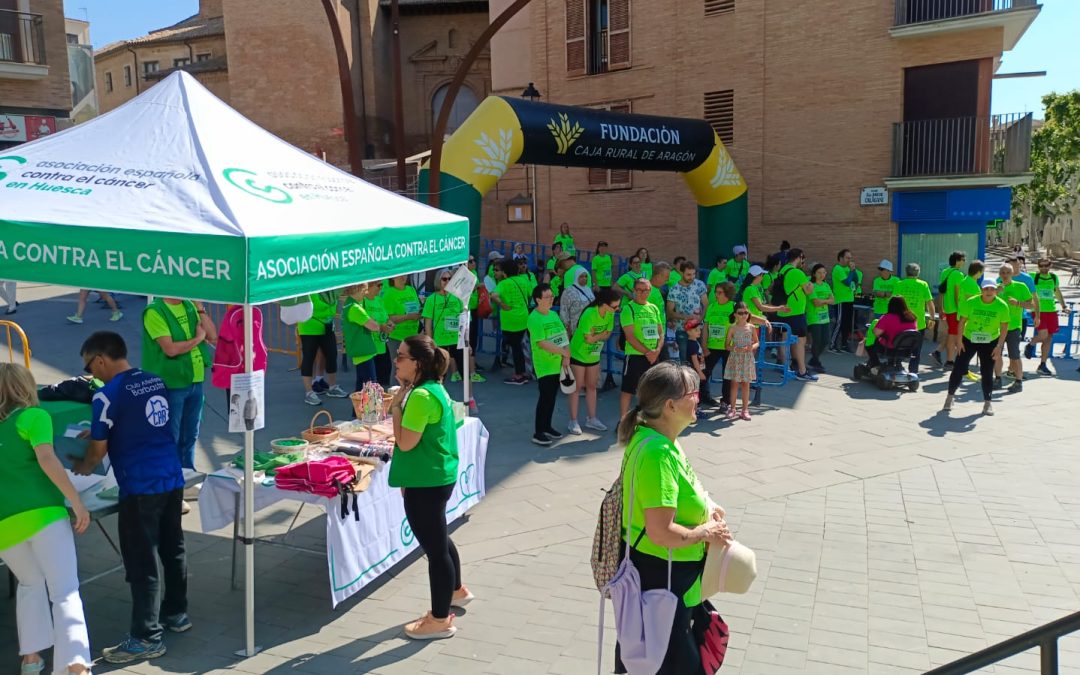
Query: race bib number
{"type": "Point", "coordinates": [450, 324]}
{"type": "Point", "coordinates": [981, 337]}
{"type": "Point", "coordinates": [559, 339]}
{"type": "Point", "coordinates": [650, 332]}
{"type": "Point", "coordinates": [717, 332]}
{"type": "Point", "coordinates": [594, 348]}
{"type": "Point", "coordinates": [1046, 293]}
{"type": "Point", "coordinates": [412, 307]}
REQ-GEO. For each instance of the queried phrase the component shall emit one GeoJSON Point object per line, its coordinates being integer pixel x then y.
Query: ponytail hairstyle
{"type": "Point", "coordinates": [604, 296]}
{"type": "Point", "coordinates": [666, 381]}
{"type": "Point", "coordinates": [431, 361]}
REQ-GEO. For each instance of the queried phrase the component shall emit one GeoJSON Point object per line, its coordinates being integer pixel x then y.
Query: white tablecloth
{"type": "Point", "coordinates": [358, 551]}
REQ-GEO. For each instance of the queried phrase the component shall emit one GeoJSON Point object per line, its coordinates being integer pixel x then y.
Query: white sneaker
{"type": "Point", "coordinates": [311, 398]}
{"type": "Point", "coordinates": [574, 427]}
{"type": "Point", "coordinates": [948, 403]}
{"type": "Point", "coordinates": [988, 409]}
{"type": "Point", "coordinates": [185, 508]}
{"type": "Point", "coordinates": [337, 392]}
{"type": "Point", "coordinates": [594, 423]}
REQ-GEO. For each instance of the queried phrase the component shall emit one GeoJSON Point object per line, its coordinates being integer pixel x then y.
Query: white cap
{"type": "Point", "coordinates": [885, 265]}
{"type": "Point", "coordinates": [988, 283]}
{"type": "Point", "coordinates": [756, 270]}
{"type": "Point", "coordinates": [738, 249]}
{"type": "Point", "coordinates": [495, 255]}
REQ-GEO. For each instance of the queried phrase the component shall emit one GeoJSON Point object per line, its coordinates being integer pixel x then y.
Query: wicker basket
{"type": "Point", "coordinates": [321, 434]}
{"type": "Point", "coordinates": [282, 446]}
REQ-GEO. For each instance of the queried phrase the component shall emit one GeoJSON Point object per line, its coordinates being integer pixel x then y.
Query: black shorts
{"type": "Point", "coordinates": [575, 362]}
{"type": "Point", "coordinates": [1012, 342]}
{"type": "Point", "coordinates": [634, 367]}
{"type": "Point", "coordinates": [797, 323]}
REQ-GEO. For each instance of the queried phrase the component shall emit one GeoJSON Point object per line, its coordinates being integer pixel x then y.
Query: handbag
{"type": "Point", "coordinates": [643, 619]}
{"type": "Point", "coordinates": [567, 382]}
{"type": "Point", "coordinates": [860, 350]}
{"type": "Point", "coordinates": [711, 635]}
{"type": "Point", "coordinates": [483, 303]}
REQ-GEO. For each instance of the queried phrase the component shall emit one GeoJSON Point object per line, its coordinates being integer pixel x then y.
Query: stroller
{"type": "Point", "coordinates": [892, 371]}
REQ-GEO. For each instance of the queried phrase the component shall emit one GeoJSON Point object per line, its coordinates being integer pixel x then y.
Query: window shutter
{"type": "Point", "coordinates": [576, 29]}
{"type": "Point", "coordinates": [619, 34]}
{"type": "Point", "coordinates": [597, 177]}
{"type": "Point", "coordinates": [621, 179]}
{"type": "Point", "coordinates": [720, 113]}
{"type": "Point", "coordinates": [714, 7]}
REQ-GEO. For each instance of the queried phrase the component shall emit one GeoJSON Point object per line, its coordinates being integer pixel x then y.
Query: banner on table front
{"type": "Point", "coordinates": [358, 551]}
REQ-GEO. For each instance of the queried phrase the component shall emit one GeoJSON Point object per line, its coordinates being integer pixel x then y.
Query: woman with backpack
{"type": "Point", "coordinates": [425, 467]}
{"type": "Point", "coordinates": [666, 511]}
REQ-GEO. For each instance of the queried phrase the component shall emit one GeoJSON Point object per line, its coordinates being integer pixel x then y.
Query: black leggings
{"type": "Point", "coordinates": [383, 364]}
{"type": "Point", "coordinates": [474, 330]}
{"type": "Point", "coordinates": [425, 509]}
{"type": "Point", "coordinates": [845, 322]}
{"type": "Point", "coordinates": [682, 653]}
{"type": "Point", "coordinates": [310, 345]}
{"type": "Point", "coordinates": [985, 352]}
{"type": "Point", "coordinates": [545, 403]}
{"type": "Point", "coordinates": [710, 363]}
{"type": "Point", "coordinates": [514, 338]}
{"type": "Point", "coordinates": [457, 355]}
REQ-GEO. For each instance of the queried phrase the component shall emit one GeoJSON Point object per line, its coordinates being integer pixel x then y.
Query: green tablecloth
{"type": "Point", "coordinates": [64, 413]}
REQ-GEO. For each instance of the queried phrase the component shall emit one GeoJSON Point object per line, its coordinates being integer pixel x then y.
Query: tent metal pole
{"type": "Point", "coordinates": [465, 376]}
{"type": "Point", "coordinates": [249, 500]}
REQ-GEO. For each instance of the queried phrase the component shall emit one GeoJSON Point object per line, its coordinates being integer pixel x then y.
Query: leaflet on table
{"type": "Point", "coordinates": [70, 448]}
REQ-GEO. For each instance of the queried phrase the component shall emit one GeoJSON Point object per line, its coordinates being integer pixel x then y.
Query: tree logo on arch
{"type": "Point", "coordinates": [564, 134]}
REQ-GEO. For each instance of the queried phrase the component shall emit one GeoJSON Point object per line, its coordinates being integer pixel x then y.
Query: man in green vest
{"type": "Point", "coordinates": [174, 337]}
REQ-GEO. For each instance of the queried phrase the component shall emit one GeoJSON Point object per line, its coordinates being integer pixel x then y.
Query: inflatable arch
{"type": "Point", "coordinates": [503, 131]}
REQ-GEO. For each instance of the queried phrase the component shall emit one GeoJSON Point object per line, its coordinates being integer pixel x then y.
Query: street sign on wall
{"type": "Point", "coordinates": [874, 196]}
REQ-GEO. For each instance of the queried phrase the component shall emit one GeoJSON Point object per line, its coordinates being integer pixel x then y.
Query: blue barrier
{"type": "Point", "coordinates": [1066, 335]}
{"type": "Point", "coordinates": [539, 253]}
{"type": "Point", "coordinates": [762, 366]}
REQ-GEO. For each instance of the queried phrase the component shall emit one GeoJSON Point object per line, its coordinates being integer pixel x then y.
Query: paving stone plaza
{"type": "Point", "coordinates": [890, 537]}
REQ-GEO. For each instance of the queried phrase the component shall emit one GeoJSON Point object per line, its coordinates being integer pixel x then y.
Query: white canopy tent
{"type": "Point", "coordinates": [176, 194]}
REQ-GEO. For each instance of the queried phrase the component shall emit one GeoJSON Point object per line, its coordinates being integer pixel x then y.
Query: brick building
{"type": "Point", "coordinates": [276, 64]}
{"type": "Point", "coordinates": [35, 88]}
{"type": "Point", "coordinates": [815, 102]}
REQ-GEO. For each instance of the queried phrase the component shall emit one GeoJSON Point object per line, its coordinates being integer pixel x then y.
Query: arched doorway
{"type": "Point", "coordinates": [464, 105]}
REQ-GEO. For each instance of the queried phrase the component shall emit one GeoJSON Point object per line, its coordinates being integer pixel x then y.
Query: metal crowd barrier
{"type": "Point", "coordinates": [539, 253]}
{"type": "Point", "coordinates": [1067, 335]}
{"type": "Point", "coordinates": [11, 328]}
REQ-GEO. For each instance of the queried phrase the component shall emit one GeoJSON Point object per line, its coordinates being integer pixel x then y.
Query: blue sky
{"type": "Point", "coordinates": [1051, 44]}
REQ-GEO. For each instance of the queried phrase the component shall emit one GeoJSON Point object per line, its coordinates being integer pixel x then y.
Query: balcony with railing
{"type": "Point", "coordinates": [963, 150]}
{"type": "Point", "coordinates": [919, 18]}
{"type": "Point", "coordinates": [22, 45]}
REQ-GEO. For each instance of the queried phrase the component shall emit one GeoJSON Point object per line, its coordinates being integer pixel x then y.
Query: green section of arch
{"type": "Point", "coordinates": [460, 198]}
{"type": "Point", "coordinates": [720, 228]}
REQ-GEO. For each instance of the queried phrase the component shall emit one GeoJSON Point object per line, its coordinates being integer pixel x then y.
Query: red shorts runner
{"type": "Point", "coordinates": [1048, 321]}
{"type": "Point", "coordinates": [954, 324]}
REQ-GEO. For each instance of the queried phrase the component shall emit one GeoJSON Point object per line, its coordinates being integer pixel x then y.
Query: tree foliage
{"type": "Point", "coordinates": [1055, 159]}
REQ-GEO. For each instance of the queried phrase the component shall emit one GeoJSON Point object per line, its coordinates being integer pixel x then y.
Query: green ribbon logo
{"type": "Point", "coordinates": [20, 160]}
{"type": "Point", "coordinates": [406, 533]}
{"type": "Point", "coordinates": [248, 182]}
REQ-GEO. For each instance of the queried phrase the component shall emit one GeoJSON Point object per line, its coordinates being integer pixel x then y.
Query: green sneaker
{"type": "Point", "coordinates": [477, 377]}
{"type": "Point", "coordinates": [74, 318]}
{"type": "Point", "coordinates": [456, 377]}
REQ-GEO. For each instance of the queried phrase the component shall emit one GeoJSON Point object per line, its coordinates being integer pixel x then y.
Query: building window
{"type": "Point", "coordinates": [127, 76]}
{"type": "Point", "coordinates": [108, 82]}
{"type": "Point", "coordinates": [611, 179]}
{"type": "Point", "coordinates": [597, 36]}
{"type": "Point", "coordinates": [72, 39]}
{"type": "Point", "coordinates": [202, 57]}
{"type": "Point", "coordinates": [149, 67]}
{"type": "Point", "coordinates": [720, 114]}
{"type": "Point", "coordinates": [714, 7]}
{"type": "Point", "coordinates": [464, 105]}
{"type": "Point", "coordinates": [180, 63]}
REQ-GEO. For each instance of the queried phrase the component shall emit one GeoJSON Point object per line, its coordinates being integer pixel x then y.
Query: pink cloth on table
{"type": "Point", "coordinates": [891, 326]}
{"type": "Point", "coordinates": [229, 355]}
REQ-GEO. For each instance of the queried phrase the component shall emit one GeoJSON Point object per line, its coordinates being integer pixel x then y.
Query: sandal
{"type": "Point", "coordinates": [745, 415]}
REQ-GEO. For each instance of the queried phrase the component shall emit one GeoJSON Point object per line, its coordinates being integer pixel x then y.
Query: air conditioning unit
{"type": "Point", "coordinates": [7, 47]}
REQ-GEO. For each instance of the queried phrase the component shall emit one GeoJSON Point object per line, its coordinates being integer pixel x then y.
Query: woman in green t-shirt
{"type": "Point", "coordinates": [646, 262]}
{"type": "Point", "coordinates": [36, 541]}
{"type": "Point", "coordinates": [566, 239]}
{"type": "Point", "coordinates": [402, 303]}
{"type": "Point", "coordinates": [551, 353]}
{"type": "Point", "coordinates": [425, 467]}
{"type": "Point", "coordinates": [361, 334]}
{"type": "Point", "coordinates": [318, 338]}
{"type": "Point", "coordinates": [512, 296]}
{"type": "Point", "coordinates": [671, 512]}
{"type": "Point", "coordinates": [442, 313]}
{"type": "Point", "coordinates": [601, 266]}
{"type": "Point", "coordinates": [817, 315]}
{"type": "Point", "coordinates": [593, 328]}
{"type": "Point", "coordinates": [373, 305]}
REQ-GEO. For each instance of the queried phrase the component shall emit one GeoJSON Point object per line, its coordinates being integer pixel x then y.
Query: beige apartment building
{"type": "Point", "coordinates": [275, 62]}
{"type": "Point", "coordinates": [815, 101]}
{"type": "Point", "coordinates": [35, 87]}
